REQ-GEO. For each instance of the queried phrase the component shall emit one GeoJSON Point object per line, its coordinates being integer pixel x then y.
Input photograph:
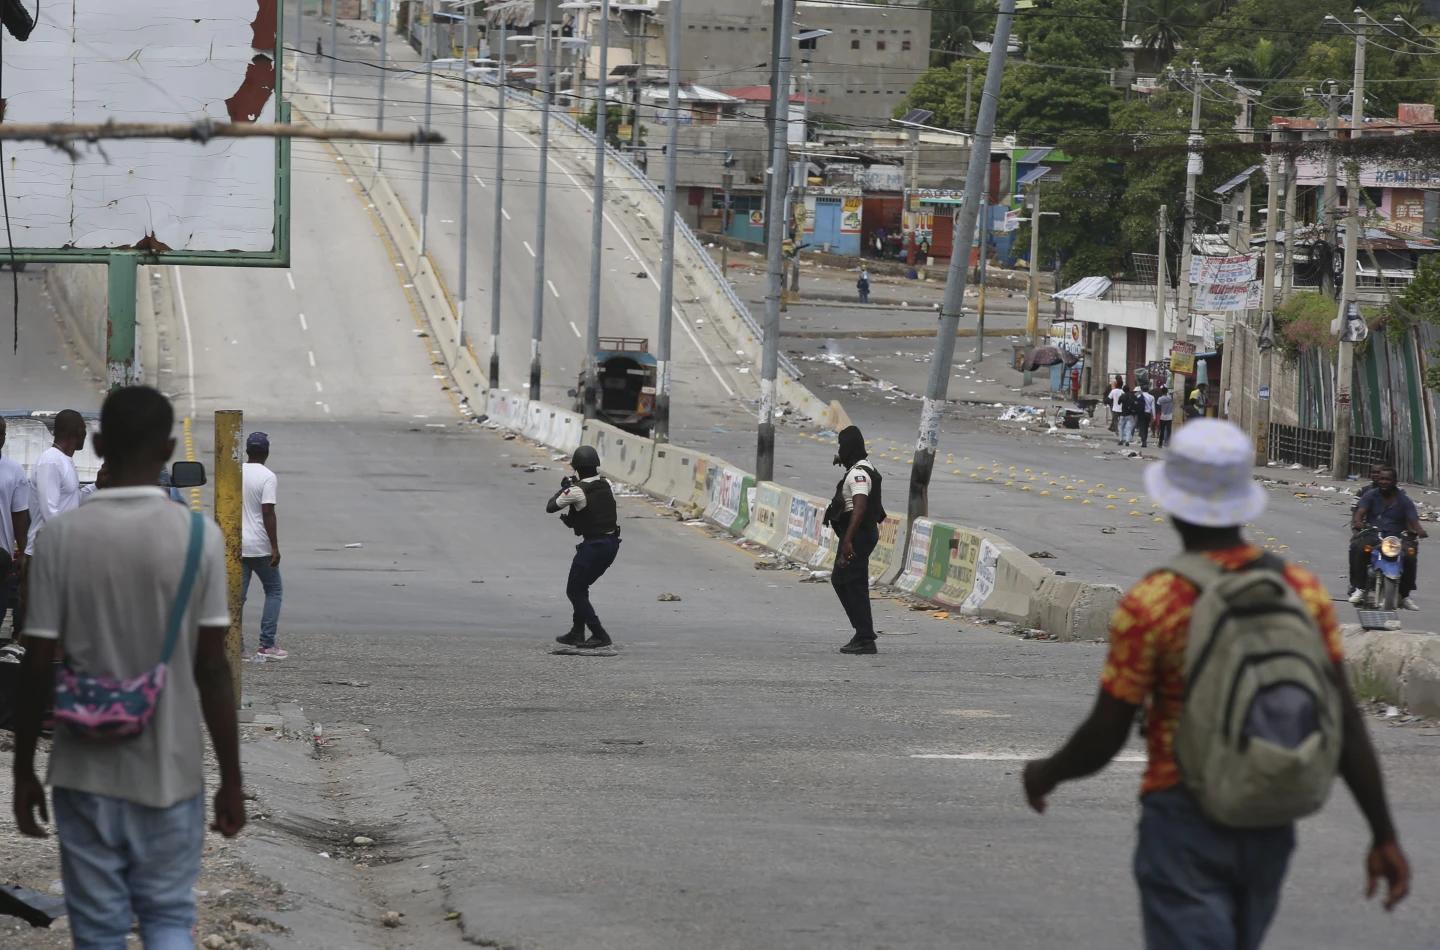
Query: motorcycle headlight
{"type": "Point", "coordinates": [1390, 547]}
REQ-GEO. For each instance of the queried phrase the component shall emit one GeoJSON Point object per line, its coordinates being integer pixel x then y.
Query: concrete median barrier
{"type": "Point", "coordinates": [728, 488]}
{"type": "Point", "coordinates": [807, 539]}
{"type": "Point", "coordinates": [678, 475]}
{"type": "Point", "coordinates": [1397, 666]}
{"type": "Point", "coordinates": [624, 456]}
{"type": "Point", "coordinates": [889, 558]}
{"type": "Point", "coordinates": [769, 513]}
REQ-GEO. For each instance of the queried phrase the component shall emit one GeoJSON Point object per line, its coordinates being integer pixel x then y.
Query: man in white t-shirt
{"type": "Point", "coordinates": [54, 483]}
{"type": "Point", "coordinates": [102, 584]}
{"type": "Point", "coordinates": [260, 541]}
{"type": "Point", "coordinates": [14, 527]}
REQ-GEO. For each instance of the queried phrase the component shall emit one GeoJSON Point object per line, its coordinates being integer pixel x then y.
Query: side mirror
{"type": "Point", "coordinates": [187, 474]}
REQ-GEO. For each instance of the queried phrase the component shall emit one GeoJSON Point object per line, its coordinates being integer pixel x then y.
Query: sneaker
{"type": "Point", "coordinates": [272, 653]}
{"type": "Point", "coordinates": [1357, 596]}
{"type": "Point", "coordinates": [1409, 604]}
{"type": "Point", "coordinates": [574, 638]}
{"type": "Point", "coordinates": [595, 642]}
{"type": "Point", "coordinates": [860, 646]}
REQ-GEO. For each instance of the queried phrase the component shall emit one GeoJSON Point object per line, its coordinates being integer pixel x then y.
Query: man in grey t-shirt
{"type": "Point", "coordinates": [130, 814]}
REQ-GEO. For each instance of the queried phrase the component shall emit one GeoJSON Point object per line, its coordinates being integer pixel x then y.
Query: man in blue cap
{"type": "Point", "coordinates": [260, 541]}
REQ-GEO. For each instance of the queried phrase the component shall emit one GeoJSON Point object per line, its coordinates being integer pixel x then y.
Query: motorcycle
{"type": "Point", "coordinates": [1387, 557]}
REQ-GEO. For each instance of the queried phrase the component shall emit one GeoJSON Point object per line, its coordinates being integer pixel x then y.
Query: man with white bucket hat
{"type": "Point", "coordinates": [1235, 659]}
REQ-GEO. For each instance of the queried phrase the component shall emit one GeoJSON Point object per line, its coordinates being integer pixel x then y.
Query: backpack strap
{"type": "Point", "coordinates": [187, 584]}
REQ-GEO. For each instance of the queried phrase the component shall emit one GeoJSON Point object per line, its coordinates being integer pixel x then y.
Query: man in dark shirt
{"type": "Point", "coordinates": [1388, 510]}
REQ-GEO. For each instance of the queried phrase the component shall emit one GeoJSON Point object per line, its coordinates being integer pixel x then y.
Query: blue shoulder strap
{"type": "Point", "coordinates": [187, 583]}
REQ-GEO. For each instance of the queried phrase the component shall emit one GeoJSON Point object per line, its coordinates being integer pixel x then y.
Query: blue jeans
{"type": "Point", "coordinates": [121, 861]}
{"type": "Point", "coordinates": [1127, 429]}
{"type": "Point", "coordinates": [274, 593]}
{"type": "Point", "coordinates": [592, 559]}
{"type": "Point", "coordinates": [1204, 886]}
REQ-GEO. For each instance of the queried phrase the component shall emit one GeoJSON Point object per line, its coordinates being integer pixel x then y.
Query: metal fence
{"type": "Point", "coordinates": [1313, 447]}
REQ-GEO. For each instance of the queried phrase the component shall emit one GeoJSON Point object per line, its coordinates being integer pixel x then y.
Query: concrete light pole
{"type": "Point", "coordinates": [1260, 435]}
{"type": "Point", "coordinates": [334, 50]}
{"type": "Point", "coordinates": [429, 102]}
{"type": "Point", "coordinates": [537, 319]}
{"type": "Point", "coordinates": [1340, 451]}
{"type": "Point", "coordinates": [667, 246]}
{"type": "Point", "coordinates": [384, 68]}
{"type": "Point", "coordinates": [775, 236]}
{"type": "Point", "coordinates": [464, 287]}
{"type": "Point", "coordinates": [954, 300]}
{"type": "Point", "coordinates": [1195, 164]}
{"type": "Point", "coordinates": [497, 246]}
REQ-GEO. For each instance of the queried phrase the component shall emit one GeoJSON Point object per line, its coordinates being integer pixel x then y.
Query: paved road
{"type": "Point", "coordinates": [727, 780]}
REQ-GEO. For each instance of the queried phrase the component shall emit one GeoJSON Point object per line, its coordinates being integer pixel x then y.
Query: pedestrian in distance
{"type": "Point", "coordinates": [862, 284]}
{"type": "Point", "coordinates": [1131, 405]}
{"type": "Point", "coordinates": [260, 542]}
{"type": "Point", "coordinates": [1112, 400]}
{"type": "Point", "coordinates": [1236, 660]}
{"type": "Point", "coordinates": [1144, 411]}
{"type": "Point", "coordinates": [54, 483]}
{"type": "Point", "coordinates": [1164, 417]}
{"type": "Point", "coordinates": [132, 589]}
{"type": "Point", "coordinates": [14, 528]}
{"type": "Point", "coordinates": [855, 514]}
{"type": "Point", "coordinates": [587, 506]}
{"type": "Point", "coordinates": [319, 48]}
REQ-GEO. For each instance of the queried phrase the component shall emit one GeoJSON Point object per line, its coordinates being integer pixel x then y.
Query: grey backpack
{"type": "Point", "coordinates": [1259, 737]}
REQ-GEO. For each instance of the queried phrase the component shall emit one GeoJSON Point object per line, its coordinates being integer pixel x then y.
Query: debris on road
{"type": "Point", "coordinates": [1042, 554]}
{"type": "Point", "coordinates": [392, 918]}
{"type": "Point", "coordinates": [355, 544]}
{"type": "Point", "coordinates": [668, 597]}
{"type": "Point", "coordinates": [362, 841]}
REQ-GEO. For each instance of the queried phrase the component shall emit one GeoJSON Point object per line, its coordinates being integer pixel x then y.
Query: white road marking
{"type": "Point", "coordinates": [303, 325]}
{"type": "Point", "coordinates": [318, 387]}
{"type": "Point", "coordinates": [575, 181]}
{"type": "Point", "coordinates": [290, 278]}
{"type": "Point", "coordinates": [480, 181]}
{"type": "Point", "coordinates": [575, 328]}
{"type": "Point", "coordinates": [311, 354]}
{"type": "Point", "coordinates": [1009, 756]}
{"type": "Point", "coordinates": [455, 153]}
{"type": "Point", "coordinates": [505, 213]}
{"type": "Point", "coordinates": [551, 285]}
{"type": "Point", "coordinates": [189, 344]}
{"type": "Point", "coordinates": [528, 248]}
{"type": "Point", "coordinates": [326, 407]}
{"type": "Point", "coordinates": [650, 272]}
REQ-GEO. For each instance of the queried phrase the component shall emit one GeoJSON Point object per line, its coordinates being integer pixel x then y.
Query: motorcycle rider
{"type": "Point", "coordinates": [1388, 510]}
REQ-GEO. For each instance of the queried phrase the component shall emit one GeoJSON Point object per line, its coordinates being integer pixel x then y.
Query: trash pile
{"type": "Point", "coordinates": [1026, 414]}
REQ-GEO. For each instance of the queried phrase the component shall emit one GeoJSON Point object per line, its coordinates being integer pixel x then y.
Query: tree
{"type": "Point", "coordinates": [941, 89]}
{"type": "Point", "coordinates": [956, 24]}
{"type": "Point", "coordinates": [1165, 26]}
{"type": "Point", "coordinates": [614, 118]}
{"type": "Point", "coordinates": [1069, 88]}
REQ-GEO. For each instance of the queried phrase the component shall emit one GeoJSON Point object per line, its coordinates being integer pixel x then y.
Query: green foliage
{"type": "Point", "coordinates": [614, 118]}
{"type": "Point", "coordinates": [1043, 103]}
{"type": "Point", "coordinates": [941, 89]}
{"type": "Point", "coordinates": [956, 24]}
{"type": "Point", "coordinates": [1419, 303]}
{"type": "Point", "coordinates": [1302, 323]}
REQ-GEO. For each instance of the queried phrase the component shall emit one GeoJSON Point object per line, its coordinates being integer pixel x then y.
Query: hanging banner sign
{"type": "Point", "coordinates": [1182, 359]}
{"type": "Point", "coordinates": [1222, 270]}
{"type": "Point", "coordinates": [1227, 296]}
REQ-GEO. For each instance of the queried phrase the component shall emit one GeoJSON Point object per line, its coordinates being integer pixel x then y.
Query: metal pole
{"type": "Point", "coordinates": [1032, 292]}
{"type": "Point", "coordinates": [774, 262]}
{"type": "Point", "coordinates": [496, 245]}
{"type": "Point", "coordinates": [121, 369]}
{"type": "Point", "coordinates": [727, 181]}
{"type": "Point", "coordinates": [667, 239]}
{"type": "Point", "coordinates": [1340, 453]}
{"type": "Point", "coordinates": [639, 77]}
{"type": "Point", "coordinates": [1260, 432]}
{"type": "Point", "coordinates": [1287, 271]}
{"type": "Point", "coordinates": [299, 36]}
{"type": "Point", "coordinates": [1332, 161]}
{"type": "Point", "coordinates": [591, 394]}
{"type": "Point", "coordinates": [384, 68]}
{"type": "Point", "coordinates": [954, 300]}
{"type": "Point", "coordinates": [1195, 164]}
{"type": "Point", "coordinates": [429, 102]}
{"type": "Point", "coordinates": [982, 271]}
{"type": "Point", "coordinates": [464, 287]}
{"type": "Point", "coordinates": [537, 320]}
{"type": "Point", "coordinates": [969, 81]}
{"type": "Point", "coordinates": [1160, 349]}
{"type": "Point", "coordinates": [334, 50]}
{"type": "Point", "coordinates": [229, 457]}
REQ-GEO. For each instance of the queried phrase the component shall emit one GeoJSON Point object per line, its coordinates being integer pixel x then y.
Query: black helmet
{"type": "Point", "coordinates": [585, 457]}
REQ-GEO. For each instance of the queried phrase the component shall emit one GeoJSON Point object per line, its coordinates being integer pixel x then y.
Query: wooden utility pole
{"type": "Point", "coordinates": [1340, 451]}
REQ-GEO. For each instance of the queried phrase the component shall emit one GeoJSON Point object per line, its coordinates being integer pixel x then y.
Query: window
{"type": "Point", "coordinates": [880, 44]}
{"type": "Point", "coordinates": [905, 46]}
{"type": "Point", "coordinates": [854, 44]}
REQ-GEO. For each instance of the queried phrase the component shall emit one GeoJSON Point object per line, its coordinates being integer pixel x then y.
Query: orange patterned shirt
{"type": "Point", "coordinates": [1148, 636]}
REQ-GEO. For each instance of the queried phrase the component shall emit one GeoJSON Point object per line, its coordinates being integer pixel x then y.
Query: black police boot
{"type": "Point", "coordinates": [575, 637]}
{"type": "Point", "coordinates": [860, 645]}
{"type": "Point", "coordinates": [598, 638]}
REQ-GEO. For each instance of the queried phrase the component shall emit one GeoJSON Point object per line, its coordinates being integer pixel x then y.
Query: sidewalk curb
{"type": "Point", "coordinates": [1401, 667]}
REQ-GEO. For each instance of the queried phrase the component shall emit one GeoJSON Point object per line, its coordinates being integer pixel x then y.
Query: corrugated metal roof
{"type": "Point", "coordinates": [1235, 182]}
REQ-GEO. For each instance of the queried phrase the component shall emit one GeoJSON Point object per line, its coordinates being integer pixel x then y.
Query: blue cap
{"type": "Point", "coordinates": [258, 440]}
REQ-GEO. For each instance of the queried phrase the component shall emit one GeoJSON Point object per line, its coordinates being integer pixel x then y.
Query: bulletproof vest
{"type": "Point", "coordinates": [598, 517]}
{"type": "Point", "coordinates": [838, 518]}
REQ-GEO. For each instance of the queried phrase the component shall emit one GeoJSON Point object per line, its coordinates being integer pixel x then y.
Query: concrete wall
{"type": "Point", "coordinates": [80, 293]}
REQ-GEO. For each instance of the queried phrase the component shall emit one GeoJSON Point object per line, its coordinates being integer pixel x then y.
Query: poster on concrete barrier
{"type": "Point", "coordinates": [918, 556]}
{"type": "Point", "coordinates": [804, 529]}
{"type": "Point", "coordinates": [728, 503]}
{"type": "Point", "coordinates": [987, 562]}
{"type": "Point", "coordinates": [882, 561]}
{"type": "Point", "coordinates": [937, 565]}
{"type": "Point", "coordinates": [960, 569]}
{"type": "Point", "coordinates": [767, 523]}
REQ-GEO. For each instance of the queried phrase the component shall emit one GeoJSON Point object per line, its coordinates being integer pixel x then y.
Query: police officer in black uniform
{"type": "Point", "coordinates": [588, 508]}
{"type": "Point", "coordinates": [855, 515]}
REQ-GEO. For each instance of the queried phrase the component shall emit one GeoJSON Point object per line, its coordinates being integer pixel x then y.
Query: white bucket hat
{"type": "Point", "coordinates": [1205, 477]}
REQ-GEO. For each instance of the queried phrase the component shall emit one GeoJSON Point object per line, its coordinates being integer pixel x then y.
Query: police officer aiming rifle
{"type": "Point", "coordinates": [587, 507]}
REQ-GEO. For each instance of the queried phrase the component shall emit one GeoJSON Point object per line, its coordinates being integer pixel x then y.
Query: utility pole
{"type": "Point", "coordinates": [950, 309]}
{"type": "Point", "coordinates": [980, 271]}
{"type": "Point", "coordinates": [1195, 164]}
{"type": "Point", "coordinates": [464, 287]}
{"type": "Point", "coordinates": [639, 78]}
{"type": "Point", "coordinates": [798, 216]}
{"type": "Point", "coordinates": [1161, 350]}
{"type": "Point", "coordinates": [537, 320]}
{"type": "Point", "coordinates": [775, 262]}
{"type": "Point", "coordinates": [497, 245]}
{"type": "Point", "coordinates": [1260, 434]}
{"type": "Point", "coordinates": [667, 233]}
{"type": "Point", "coordinates": [299, 36]}
{"type": "Point", "coordinates": [429, 102]}
{"type": "Point", "coordinates": [969, 82]}
{"type": "Point", "coordinates": [384, 68]}
{"type": "Point", "coordinates": [772, 108]}
{"type": "Point", "coordinates": [727, 181]}
{"type": "Point", "coordinates": [1340, 453]}
{"type": "Point", "coordinates": [1332, 191]}
{"type": "Point", "coordinates": [591, 395]}
{"type": "Point", "coordinates": [1032, 290]}
{"type": "Point", "coordinates": [334, 51]}
{"type": "Point", "coordinates": [1287, 270]}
